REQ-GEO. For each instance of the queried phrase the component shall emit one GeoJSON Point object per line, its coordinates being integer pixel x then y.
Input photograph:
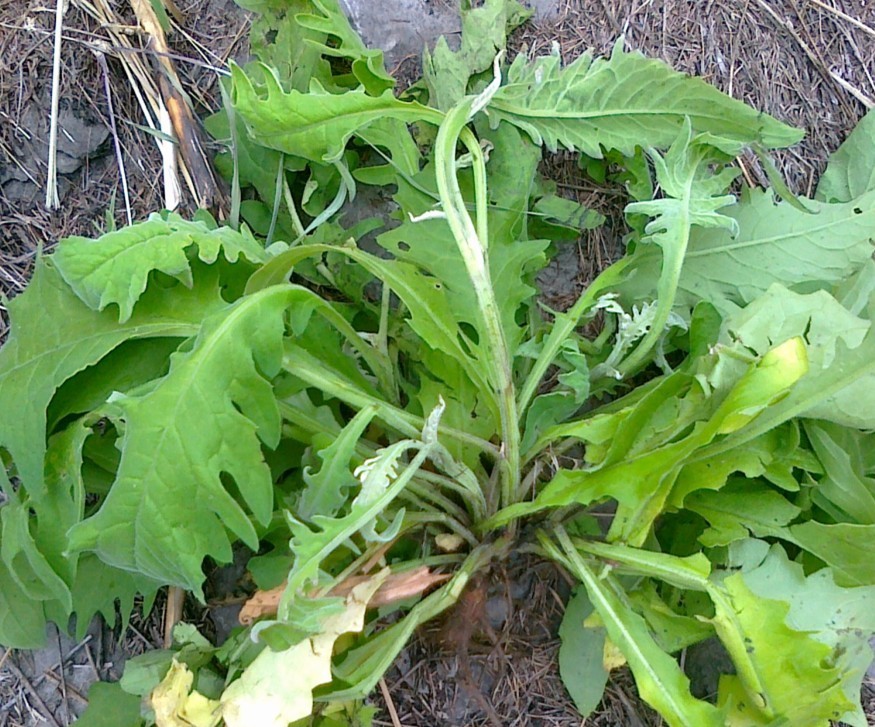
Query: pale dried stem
{"type": "Point", "coordinates": [814, 58]}
{"type": "Point", "coordinates": [844, 16]}
{"type": "Point", "coordinates": [172, 612]}
{"type": "Point", "coordinates": [52, 199]}
{"type": "Point", "coordinates": [390, 704]}
{"type": "Point", "coordinates": [101, 59]}
{"type": "Point", "coordinates": [169, 164]}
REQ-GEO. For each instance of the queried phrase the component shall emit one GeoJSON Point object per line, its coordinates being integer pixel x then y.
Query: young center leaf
{"type": "Point", "coordinates": [693, 196]}
{"type": "Point", "coordinates": [206, 420]}
{"type": "Point", "coordinates": [513, 260]}
{"type": "Point", "coordinates": [326, 490]}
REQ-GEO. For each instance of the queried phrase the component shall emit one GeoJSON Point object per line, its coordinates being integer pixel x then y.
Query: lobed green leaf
{"type": "Point", "coordinates": [114, 268]}
{"type": "Point", "coordinates": [316, 125]}
{"type": "Point", "coordinates": [33, 367]}
{"type": "Point", "coordinates": [206, 420]}
{"type": "Point", "coordinates": [776, 244]}
{"type": "Point", "coordinates": [622, 102]}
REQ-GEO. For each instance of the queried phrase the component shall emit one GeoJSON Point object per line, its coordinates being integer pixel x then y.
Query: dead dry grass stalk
{"type": "Point", "coordinates": [52, 199]}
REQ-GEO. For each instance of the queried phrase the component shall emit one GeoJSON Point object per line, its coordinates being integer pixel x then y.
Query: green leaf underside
{"type": "Point", "coordinates": [580, 655]}
{"type": "Point", "coordinates": [622, 102]}
{"type": "Point", "coordinates": [130, 364]}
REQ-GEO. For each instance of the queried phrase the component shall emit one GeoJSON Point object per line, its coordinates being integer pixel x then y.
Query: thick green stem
{"type": "Point", "coordinates": [473, 249]}
{"type": "Point", "coordinates": [672, 264]}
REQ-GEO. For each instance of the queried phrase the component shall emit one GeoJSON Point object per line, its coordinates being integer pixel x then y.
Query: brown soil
{"type": "Point", "coordinates": [808, 62]}
{"type": "Point", "coordinates": [491, 661]}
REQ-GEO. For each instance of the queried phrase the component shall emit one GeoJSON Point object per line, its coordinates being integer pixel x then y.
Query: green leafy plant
{"type": "Point", "coordinates": [348, 410]}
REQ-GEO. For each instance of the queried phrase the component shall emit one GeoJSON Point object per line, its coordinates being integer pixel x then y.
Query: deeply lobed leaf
{"type": "Point", "coordinates": [622, 102]}
{"type": "Point", "coordinates": [206, 420]}
{"type": "Point", "coordinates": [114, 268]}
{"type": "Point", "coordinates": [776, 243]}
{"type": "Point", "coordinates": [32, 367]}
{"type": "Point", "coordinates": [316, 125]}
{"type": "Point", "coordinates": [484, 33]}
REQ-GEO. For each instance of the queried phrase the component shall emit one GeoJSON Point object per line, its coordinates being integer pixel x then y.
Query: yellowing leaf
{"type": "Point", "coordinates": [176, 705]}
{"type": "Point", "coordinates": [613, 658]}
{"type": "Point", "coordinates": [785, 673]}
{"type": "Point", "coordinates": [277, 688]}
